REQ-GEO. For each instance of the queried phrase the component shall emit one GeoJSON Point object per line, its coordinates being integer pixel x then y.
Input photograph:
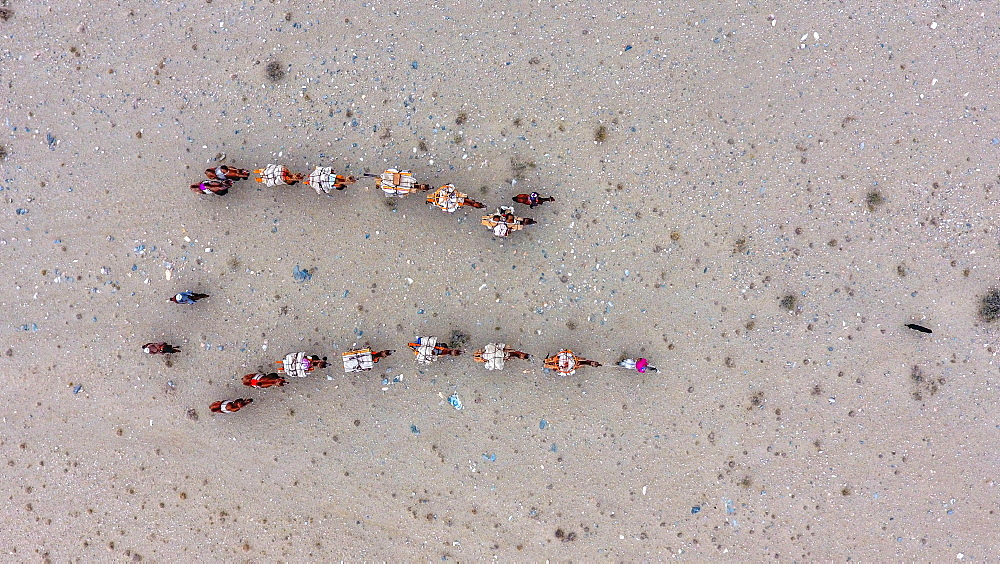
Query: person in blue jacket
{"type": "Point", "coordinates": [187, 297]}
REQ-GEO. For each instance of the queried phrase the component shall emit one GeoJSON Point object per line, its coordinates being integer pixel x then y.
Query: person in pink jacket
{"type": "Point", "coordinates": [640, 365]}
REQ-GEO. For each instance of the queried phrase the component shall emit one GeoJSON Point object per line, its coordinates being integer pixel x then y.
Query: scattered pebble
{"type": "Point", "coordinates": [301, 275]}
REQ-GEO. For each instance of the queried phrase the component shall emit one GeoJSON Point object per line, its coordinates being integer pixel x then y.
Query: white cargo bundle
{"type": "Point", "coordinates": [495, 355]}
{"type": "Point", "coordinates": [358, 361]}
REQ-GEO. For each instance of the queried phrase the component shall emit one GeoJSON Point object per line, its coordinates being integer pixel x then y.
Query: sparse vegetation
{"type": "Point", "coordinates": [989, 308]}
{"type": "Point", "coordinates": [601, 134]}
{"type": "Point", "coordinates": [874, 200]}
{"type": "Point", "coordinates": [274, 71]}
{"type": "Point", "coordinates": [461, 118]}
{"type": "Point", "coordinates": [789, 302]}
{"type": "Point", "coordinates": [519, 166]}
{"type": "Point", "coordinates": [458, 339]}
{"type": "Point", "coordinates": [924, 384]}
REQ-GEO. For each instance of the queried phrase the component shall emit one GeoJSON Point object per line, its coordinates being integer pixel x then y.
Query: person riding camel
{"type": "Point", "coordinates": [565, 362]}
{"type": "Point", "coordinates": [278, 175]}
{"type": "Point", "coordinates": [362, 359]}
{"type": "Point", "coordinates": [261, 380]}
{"type": "Point", "coordinates": [225, 172]}
{"type": "Point", "coordinates": [397, 183]}
{"type": "Point", "coordinates": [640, 365]}
{"type": "Point", "coordinates": [159, 348]}
{"type": "Point", "coordinates": [324, 179]}
{"type": "Point", "coordinates": [230, 406]}
{"type": "Point", "coordinates": [217, 187]}
{"type": "Point", "coordinates": [427, 350]}
{"type": "Point", "coordinates": [504, 222]}
{"type": "Point", "coordinates": [449, 199]}
{"type": "Point", "coordinates": [187, 297]}
{"type": "Point", "coordinates": [531, 200]}
{"type": "Point", "coordinates": [495, 355]}
{"type": "Point", "coordinates": [299, 364]}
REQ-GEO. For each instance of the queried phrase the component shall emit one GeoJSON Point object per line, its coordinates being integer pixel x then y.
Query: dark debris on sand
{"type": "Point", "coordinates": [275, 71]}
{"type": "Point", "coordinates": [989, 308]}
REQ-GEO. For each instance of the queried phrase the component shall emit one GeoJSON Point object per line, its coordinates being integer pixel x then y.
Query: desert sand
{"type": "Point", "coordinates": [756, 197]}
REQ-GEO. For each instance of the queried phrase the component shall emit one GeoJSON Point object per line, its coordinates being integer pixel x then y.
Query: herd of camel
{"type": "Point", "coordinates": [396, 183]}
{"type": "Point", "coordinates": [393, 183]}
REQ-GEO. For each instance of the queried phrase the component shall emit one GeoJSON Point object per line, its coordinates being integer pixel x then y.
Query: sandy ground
{"type": "Point", "coordinates": [708, 161]}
